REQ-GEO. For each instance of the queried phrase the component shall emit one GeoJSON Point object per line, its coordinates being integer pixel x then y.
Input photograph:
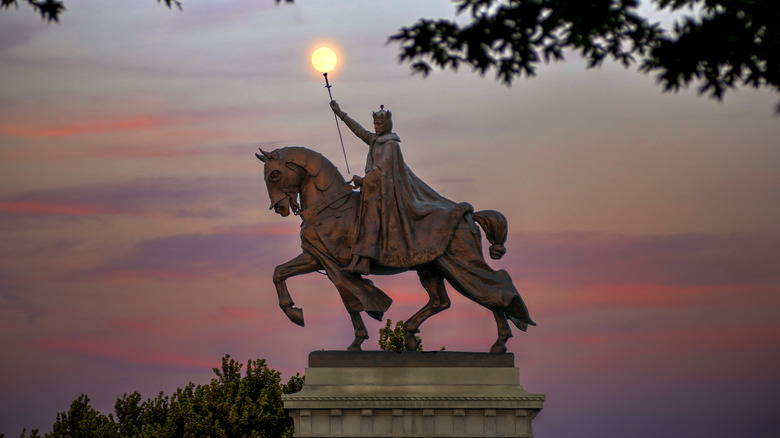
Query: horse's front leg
{"type": "Point", "coordinates": [302, 264]}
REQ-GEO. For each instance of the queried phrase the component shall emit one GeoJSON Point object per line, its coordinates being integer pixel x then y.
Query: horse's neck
{"type": "Point", "coordinates": [310, 194]}
{"type": "Point", "coordinates": [316, 193]}
{"type": "Point", "coordinates": [320, 179]}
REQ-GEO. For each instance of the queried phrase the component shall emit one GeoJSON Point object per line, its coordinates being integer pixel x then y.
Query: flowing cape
{"type": "Point", "coordinates": [413, 224]}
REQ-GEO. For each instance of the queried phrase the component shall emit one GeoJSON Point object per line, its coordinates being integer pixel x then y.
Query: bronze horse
{"type": "Point", "coordinates": [329, 210]}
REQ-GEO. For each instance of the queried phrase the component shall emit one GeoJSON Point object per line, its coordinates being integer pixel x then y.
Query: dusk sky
{"type": "Point", "coordinates": [136, 244]}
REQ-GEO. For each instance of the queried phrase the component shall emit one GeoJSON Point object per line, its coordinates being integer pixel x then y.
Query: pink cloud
{"type": "Point", "coordinates": [118, 276]}
{"type": "Point", "coordinates": [89, 127]}
{"type": "Point", "coordinates": [180, 146]}
{"type": "Point", "coordinates": [121, 351]}
{"type": "Point", "coordinates": [734, 339]}
{"type": "Point", "coordinates": [288, 228]}
{"type": "Point", "coordinates": [173, 196]}
{"type": "Point", "coordinates": [175, 324]}
{"type": "Point", "coordinates": [198, 255]}
{"type": "Point", "coordinates": [32, 127]}
{"type": "Point", "coordinates": [582, 259]}
{"type": "Point", "coordinates": [649, 296]}
{"type": "Point", "coordinates": [155, 151]}
{"type": "Point", "coordinates": [41, 208]}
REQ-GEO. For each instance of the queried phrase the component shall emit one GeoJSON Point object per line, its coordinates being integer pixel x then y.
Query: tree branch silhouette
{"type": "Point", "coordinates": [719, 44]}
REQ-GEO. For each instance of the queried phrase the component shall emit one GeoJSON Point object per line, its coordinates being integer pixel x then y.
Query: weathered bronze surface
{"type": "Point", "coordinates": [394, 224]}
{"type": "Point", "coordinates": [402, 222]}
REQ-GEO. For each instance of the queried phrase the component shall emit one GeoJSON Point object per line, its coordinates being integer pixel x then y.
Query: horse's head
{"type": "Point", "coordinates": [296, 173]}
{"type": "Point", "coordinates": [283, 180]}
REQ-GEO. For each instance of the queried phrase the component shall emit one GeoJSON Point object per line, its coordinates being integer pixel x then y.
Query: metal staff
{"type": "Point", "coordinates": [327, 85]}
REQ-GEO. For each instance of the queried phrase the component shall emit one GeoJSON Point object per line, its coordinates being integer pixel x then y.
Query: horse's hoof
{"type": "Point", "coordinates": [498, 347]}
{"type": "Point", "coordinates": [354, 347]}
{"type": "Point", "coordinates": [295, 314]}
{"type": "Point", "coordinates": [411, 342]}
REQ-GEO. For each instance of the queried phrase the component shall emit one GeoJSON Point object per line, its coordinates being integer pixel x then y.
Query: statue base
{"type": "Point", "coordinates": [412, 394]}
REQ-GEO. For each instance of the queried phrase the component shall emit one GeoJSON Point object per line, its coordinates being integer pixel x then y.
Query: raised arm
{"type": "Point", "coordinates": [354, 126]}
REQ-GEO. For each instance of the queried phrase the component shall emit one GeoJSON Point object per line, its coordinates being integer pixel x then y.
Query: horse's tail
{"type": "Point", "coordinates": [496, 228]}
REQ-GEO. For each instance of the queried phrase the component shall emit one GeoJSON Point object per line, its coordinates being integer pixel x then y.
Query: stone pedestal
{"type": "Point", "coordinates": [411, 394]}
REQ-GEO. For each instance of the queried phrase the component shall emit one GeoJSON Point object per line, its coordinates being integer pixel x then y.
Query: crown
{"type": "Point", "coordinates": [383, 114]}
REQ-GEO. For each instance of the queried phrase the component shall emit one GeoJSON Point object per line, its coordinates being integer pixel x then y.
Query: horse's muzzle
{"type": "Point", "coordinates": [281, 209]}
{"type": "Point", "coordinates": [281, 206]}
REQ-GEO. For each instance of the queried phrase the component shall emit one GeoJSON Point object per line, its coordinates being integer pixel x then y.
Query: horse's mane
{"type": "Point", "coordinates": [320, 169]}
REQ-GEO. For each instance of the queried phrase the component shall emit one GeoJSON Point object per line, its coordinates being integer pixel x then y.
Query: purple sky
{"type": "Point", "coordinates": [136, 247]}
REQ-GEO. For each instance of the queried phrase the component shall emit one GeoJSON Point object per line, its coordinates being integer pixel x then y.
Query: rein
{"type": "Point", "coordinates": [311, 213]}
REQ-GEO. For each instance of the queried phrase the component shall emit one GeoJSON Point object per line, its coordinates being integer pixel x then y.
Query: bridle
{"type": "Point", "coordinates": [287, 191]}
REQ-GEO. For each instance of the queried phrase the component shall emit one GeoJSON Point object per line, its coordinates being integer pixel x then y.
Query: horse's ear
{"type": "Point", "coordinates": [266, 155]}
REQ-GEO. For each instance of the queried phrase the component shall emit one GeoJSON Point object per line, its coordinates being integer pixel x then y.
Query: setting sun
{"type": "Point", "coordinates": [323, 59]}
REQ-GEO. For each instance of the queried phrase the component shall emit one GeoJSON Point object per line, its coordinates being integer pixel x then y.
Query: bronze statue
{"type": "Point", "coordinates": [402, 221]}
{"type": "Point", "coordinates": [397, 223]}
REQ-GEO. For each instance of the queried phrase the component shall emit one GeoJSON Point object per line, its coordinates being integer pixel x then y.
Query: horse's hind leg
{"type": "Point", "coordinates": [361, 334]}
{"type": "Point", "coordinates": [468, 273]}
{"type": "Point", "coordinates": [504, 332]}
{"type": "Point", "coordinates": [433, 282]}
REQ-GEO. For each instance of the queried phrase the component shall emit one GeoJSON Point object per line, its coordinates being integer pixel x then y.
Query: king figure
{"type": "Point", "coordinates": [403, 222]}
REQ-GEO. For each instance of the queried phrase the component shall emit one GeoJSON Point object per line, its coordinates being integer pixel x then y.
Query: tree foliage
{"type": "Point", "coordinates": [50, 10]}
{"type": "Point", "coordinates": [231, 405]}
{"type": "Point", "coordinates": [393, 339]}
{"type": "Point", "coordinates": [719, 44]}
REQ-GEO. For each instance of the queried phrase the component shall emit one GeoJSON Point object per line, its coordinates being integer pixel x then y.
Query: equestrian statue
{"type": "Point", "coordinates": [394, 223]}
